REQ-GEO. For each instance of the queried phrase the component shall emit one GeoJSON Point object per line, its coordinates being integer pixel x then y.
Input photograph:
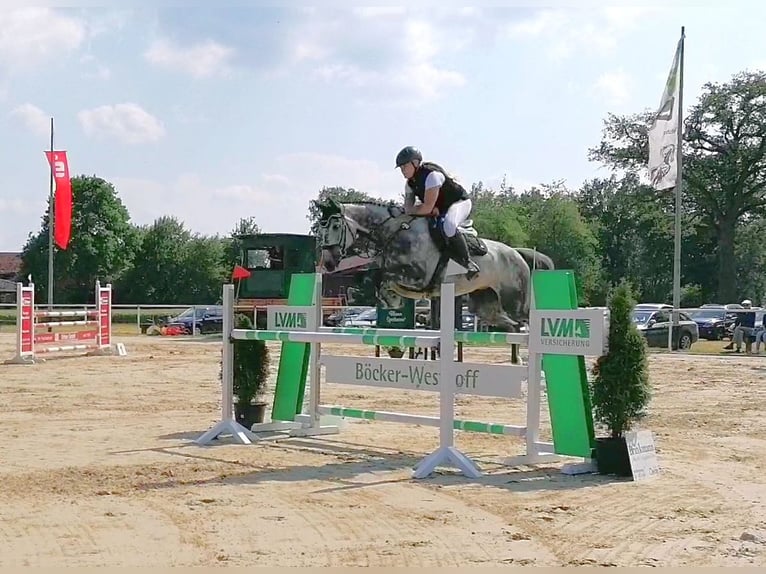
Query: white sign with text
{"type": "Point", "coordinates": [290, 318]}
{"type": "Point", "coordinates": [408, 374]}
{"type": "Point", "coordinates": [643, 456]}
{"type": "Point", "coordinates": [569, 332]}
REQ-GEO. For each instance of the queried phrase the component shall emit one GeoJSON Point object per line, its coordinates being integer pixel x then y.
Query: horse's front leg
{"type": "Point", "coordinates": [387, 294]}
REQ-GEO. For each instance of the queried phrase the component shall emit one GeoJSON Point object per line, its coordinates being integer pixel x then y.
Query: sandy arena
{"type": "Point", "coordinates": [98, 468]}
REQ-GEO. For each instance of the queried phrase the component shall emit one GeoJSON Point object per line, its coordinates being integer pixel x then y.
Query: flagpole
{"type": "Point", "coordinates": [50, 229]}
{"type": "Point", "coordinates": [679, 181]}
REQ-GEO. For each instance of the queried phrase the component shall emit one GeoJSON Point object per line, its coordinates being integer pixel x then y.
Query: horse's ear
{"type": "Point", "coordinates": [322, 207]}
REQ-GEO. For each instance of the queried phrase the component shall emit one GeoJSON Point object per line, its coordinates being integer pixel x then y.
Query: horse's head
{"type": "Point", "coordinates": [337, 233]}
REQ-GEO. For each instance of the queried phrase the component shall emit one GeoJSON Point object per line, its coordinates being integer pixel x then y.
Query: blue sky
{"type": "Point", "coordinates": [215, 114]}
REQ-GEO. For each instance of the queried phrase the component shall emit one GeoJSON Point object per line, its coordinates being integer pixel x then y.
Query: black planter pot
{"type": "Point", "coordinates": [612, 456]}
{"type": "Point", "coordinates": [248, 415]}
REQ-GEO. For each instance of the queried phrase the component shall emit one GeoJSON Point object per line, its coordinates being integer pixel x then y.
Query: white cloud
{"type": "Point", "coordinates": [614, 87]}
{"type": "Point", "coordinates": [30, 36]}
{"type": "Point", "coordinates": [388, 55]}
{"type": "Point", "coordinates": [200, 60]}
{"type": "Point", "coordinates": [278, 202]}
{"type": "Point", "coordinates": [127, 122]}
{"type": "Point", "coordinates": [35, 119]}
{"type": "Point", "coordinates": [95, 69]}
{"type": "Point", "coordinates": [563, 32]}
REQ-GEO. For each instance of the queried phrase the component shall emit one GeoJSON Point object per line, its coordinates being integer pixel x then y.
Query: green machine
{"type": "Point", "coordinates": [272, 259]}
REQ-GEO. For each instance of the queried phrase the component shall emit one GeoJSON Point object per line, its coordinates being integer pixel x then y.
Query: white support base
{"type": "Point", "coordinates": [231, 427]}
{"type": "Point", "coordinates": [315, 431]}
{"type": "Point", "coordinates": [575, 468]}
{"type": "Point", "coordinates": [306, 428]}
{"type": "Point", "coordinates": [446, 456]}
{"type": "Point", "coordinates": [530, 459]}
{"type": "Point", "coordinates": [275, 426]}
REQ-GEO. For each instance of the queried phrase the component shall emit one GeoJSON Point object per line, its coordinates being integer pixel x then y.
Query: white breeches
{"type": "Point", "coordinates": [456, 214]}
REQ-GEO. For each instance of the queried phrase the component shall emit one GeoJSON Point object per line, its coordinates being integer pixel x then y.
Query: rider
{"type": "Point", "coordinates": [439, 194]}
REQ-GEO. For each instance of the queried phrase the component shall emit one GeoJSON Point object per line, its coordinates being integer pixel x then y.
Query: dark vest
{"type": "Point", "coordinates": [450, 192]}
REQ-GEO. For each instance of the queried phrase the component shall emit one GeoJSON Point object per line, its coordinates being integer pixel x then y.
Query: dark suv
{"type": "Point", "coordinates": [207, 319]}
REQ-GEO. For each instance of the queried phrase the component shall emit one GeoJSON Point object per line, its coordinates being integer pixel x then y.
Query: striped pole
{"type": "Point", "coordinates": [313, 337]}
{"type": "Point", "coordinates": [470, 426]}
{"type": "Point", "coordinates": [479, 338]}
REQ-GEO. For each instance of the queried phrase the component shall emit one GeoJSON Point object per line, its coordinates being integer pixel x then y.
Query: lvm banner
{"type": "Point", "coordinates": [569, 332]}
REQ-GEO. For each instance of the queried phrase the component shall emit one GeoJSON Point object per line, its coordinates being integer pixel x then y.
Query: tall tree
{"type": "Point", "coordinates": [557, 229]}
{"type": "Point", "coordinates": [102, 245]}
{"type": "Point", "coordinates": [724, 160]}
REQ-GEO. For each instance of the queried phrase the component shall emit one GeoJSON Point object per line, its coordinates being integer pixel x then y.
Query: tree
{"type": "Point", "coordinates": [102, 246]}
{"type": "Point", "coordinates": [496, 215]}
{"type": "Point", "coordinates": [158, 271]}
{"type": "Point", "coordinates": [557, 229]}
{"type": "Point", "coordinates": [724, 163]}
{"type": "Point", "coordinates": [634, 234]}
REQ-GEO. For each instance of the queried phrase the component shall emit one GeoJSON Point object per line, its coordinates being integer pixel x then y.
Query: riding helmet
{"type": "Point", "coordinates": [407, 155]}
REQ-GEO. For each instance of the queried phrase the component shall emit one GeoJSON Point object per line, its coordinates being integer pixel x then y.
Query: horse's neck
{"type": "Point", "coordinates": [370, 217]}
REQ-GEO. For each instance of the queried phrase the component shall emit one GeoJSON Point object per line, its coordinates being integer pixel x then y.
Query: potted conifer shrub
{"type": "Point", "coordinates": [620, 388]}
{"type": "Point", "coordinates": [251, 371]}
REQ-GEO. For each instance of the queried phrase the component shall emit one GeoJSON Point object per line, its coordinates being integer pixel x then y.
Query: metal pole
{"type": "Point", "coordinates": [50, 230]}
{"type": "Point", "coordinates": [679, 162]}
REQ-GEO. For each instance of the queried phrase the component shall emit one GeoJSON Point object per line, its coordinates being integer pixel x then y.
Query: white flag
{"type": "Point", "coordinates": [663, 132]}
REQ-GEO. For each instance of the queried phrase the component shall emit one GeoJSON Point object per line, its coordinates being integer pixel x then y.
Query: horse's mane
{"type": "Point", "coordinates": [374, 203]}
{"type": "Point", "coordinates": [389, 203]}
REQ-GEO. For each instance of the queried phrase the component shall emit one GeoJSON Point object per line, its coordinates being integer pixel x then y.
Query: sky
{"type": "Point", "coordinates": [215, 114]}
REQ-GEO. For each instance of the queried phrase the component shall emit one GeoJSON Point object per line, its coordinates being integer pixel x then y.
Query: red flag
{"type": "Point", "coordinates": [240, 273]}
{"type": "Point", "coordinates": [62, 218]}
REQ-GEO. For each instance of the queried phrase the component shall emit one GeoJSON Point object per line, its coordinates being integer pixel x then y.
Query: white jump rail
{"type": "Point", "coordinates": [30, 344]}
{"type": "Point", "coordinates": [467, 378]}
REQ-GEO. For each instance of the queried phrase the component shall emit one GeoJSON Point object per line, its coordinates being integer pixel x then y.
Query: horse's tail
{"type": "Point", "coordinates": [535, 259]}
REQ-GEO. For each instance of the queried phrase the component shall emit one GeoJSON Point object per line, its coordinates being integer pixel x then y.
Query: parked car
{"type": "Point", "coordinates": [205, 320]}
{"type": "Point", "coordinates": [653, 321]}
{"type": "Point", "coordinates": [714, 322]}
{"type": "Point", "coordinates": [336, 318]}
{"type": "Point", "coordinates": [368, 318]}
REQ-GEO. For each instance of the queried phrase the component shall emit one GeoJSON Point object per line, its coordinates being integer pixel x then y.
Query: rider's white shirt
{"type": "Point", "coordinates": [434, 179]}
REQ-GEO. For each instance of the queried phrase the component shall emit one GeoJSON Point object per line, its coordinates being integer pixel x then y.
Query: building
{"type": "Point", "coordinates": [10, 265]}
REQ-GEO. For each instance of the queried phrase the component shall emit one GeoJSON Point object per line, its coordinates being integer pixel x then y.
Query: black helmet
{"type": "Point", "coordinates": [407, 155]}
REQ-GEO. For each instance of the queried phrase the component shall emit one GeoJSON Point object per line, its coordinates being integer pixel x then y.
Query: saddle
{"type": "Point", "coordinates": [476, 245]}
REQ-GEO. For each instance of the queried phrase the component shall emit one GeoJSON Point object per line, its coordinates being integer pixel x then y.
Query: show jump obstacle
{"type": "Point", "coordinates": [30, 344]}
{"type": "Point", "coordinates": [561, 336]}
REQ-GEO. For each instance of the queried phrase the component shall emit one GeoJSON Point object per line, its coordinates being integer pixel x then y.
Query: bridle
{"type": "Point", "coordinates": [373, 237]}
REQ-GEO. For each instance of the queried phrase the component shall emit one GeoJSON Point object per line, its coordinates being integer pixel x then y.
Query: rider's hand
{"type": "Point", "coordinates": [435, 211]}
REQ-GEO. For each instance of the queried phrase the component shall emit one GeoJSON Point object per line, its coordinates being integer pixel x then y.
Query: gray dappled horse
{"type": "Point", "coordinates": [409, 250]}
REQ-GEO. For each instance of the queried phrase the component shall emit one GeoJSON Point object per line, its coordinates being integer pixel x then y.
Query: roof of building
{"type": "Point", "coordinates": [10, 263]}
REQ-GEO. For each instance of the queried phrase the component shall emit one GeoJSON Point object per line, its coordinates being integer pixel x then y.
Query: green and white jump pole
{"type": "Point", "coordinates": [561, 335]}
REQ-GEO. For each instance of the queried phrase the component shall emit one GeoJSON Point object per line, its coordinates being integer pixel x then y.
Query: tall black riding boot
{"type": "Point", "coordinates": [459, 252]}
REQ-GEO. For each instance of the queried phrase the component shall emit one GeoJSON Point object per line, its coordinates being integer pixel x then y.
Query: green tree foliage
{"type": "Point", "coordinates": [172, 264]}
{"type": "Point", "coordinates": [102, 244]}
{"type": "Point", "coordinates": [724, 160]}
{"type": "Point", "coordinates": [620, 387]}
{"type": "Point", "coordinates": [496, 215]}
{"type": "Point", "coordinates": [557, 229]}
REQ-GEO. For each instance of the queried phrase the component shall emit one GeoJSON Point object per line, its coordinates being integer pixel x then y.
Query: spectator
{"type": "Point", "coordinates": [760, 334]}
{"type": "Point", "coordinates": [744, 325]}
